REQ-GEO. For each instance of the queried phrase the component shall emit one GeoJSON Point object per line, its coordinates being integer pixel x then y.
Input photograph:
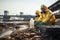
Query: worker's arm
{"type": "Point", "coordinates": [47, 18]}
{"type": "Point", "coordinates": [53, 18]}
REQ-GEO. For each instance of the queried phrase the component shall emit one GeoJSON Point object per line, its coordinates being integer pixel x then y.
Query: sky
{"type": "Point", "coordinates": [28, 7]}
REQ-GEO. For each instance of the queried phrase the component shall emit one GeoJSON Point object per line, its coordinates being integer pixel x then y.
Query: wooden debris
{"type": "Point", "coordinates": [27, 34]}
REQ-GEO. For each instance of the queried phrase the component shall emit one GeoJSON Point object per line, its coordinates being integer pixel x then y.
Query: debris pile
{"type": "Point", "coordinates": [27, 34]}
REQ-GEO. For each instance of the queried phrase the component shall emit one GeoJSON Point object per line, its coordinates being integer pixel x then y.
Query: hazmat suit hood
{"type": "Point", "coordinates": [38, 13]}
{"type": "Point", "coordinates": [44, 8]}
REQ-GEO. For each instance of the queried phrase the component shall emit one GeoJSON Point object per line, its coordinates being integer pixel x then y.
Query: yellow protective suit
{"type": "Point", "coordinates": [47, 18]}
{"type": "Point", "coordinates": [37, 18]}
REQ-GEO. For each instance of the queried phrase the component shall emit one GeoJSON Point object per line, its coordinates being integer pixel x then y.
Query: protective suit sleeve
{"type": "Point", "coordinates": [47, 17]}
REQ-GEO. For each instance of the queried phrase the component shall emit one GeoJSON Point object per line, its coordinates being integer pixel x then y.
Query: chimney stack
{"type": "Point", "coordinates": [6, 12]}
{"type": "Point", "coordinates": [21, 13]}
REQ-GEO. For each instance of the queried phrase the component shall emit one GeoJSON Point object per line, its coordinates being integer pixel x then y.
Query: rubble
{"type": "Point", "coordinates": [27, 34]}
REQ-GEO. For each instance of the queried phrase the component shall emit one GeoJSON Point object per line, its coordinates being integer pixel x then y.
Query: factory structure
{"type": "Point", "coordinates": [55, 8]}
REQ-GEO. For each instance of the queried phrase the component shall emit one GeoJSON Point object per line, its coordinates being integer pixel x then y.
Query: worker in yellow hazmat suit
{"type": "Point", "coordinates": [38, 21]}
{"type": "Point", "coordinates": [38, 13]}
{"type": "Point", "coordinates": [44, 17]}
{"type": "Point", "coordinates": [47, 16]}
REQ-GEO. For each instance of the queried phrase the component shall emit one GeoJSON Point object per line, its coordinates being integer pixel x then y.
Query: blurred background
{"type": "Point", "coordinates": [28, 7]}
